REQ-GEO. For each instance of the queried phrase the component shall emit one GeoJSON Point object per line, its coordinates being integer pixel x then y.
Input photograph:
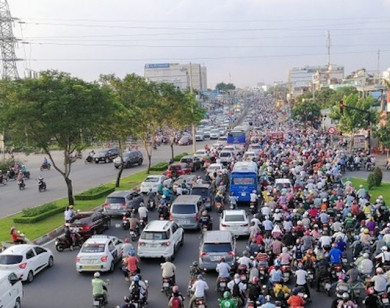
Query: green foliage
{"type": "Point", "coordinates": [383, 133]}
{"type": "Point", "coordinates": [178, 157]}
{"type": "Point", "coordinates": [371, 180]}
{"type": "Point", "coordinates": [225, 86]}
{"type": "Point", "coordinates": [378, 176]}
{"type": "Point", "coordinates": [159, 167]}
{"type": "Point", "coordinates": [30, 212]}
{"type": "Point", "coordinates": [306, 111]}
{"type": "Point", "coordinates": [39, 217]}
{"type": "Point", "coordinates": [7, 163]}
{"type": "Point", "coordinates": [96, 192]}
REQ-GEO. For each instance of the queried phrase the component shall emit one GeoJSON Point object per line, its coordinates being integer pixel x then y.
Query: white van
{"type": "Point", "coordinates": [11, 290]}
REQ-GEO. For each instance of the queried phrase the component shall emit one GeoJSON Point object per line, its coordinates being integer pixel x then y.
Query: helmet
{"type": "Point", "coordinates": [126, 240]}
{"type": "Point", "coordinates": [175, 289]}
{"type": "Point", "coordinates": [315, 226]}
{"type": "Point", "coordinates": [200, 277]}
{"type": "Point", "coordinates": [255, 279]}
{"type": "Point", "coordinates": [324, 200]}
{"type": "Point", "coordinates": [349, 215]}
{"type": "Point", "coordinates": [284, 249]}
{"type": "Point", "coordinates": [236, 276]}
{"type": "Point", "coordinates": [309, 252]}
{"type": "Point", "coordinates": [132, 252]}
{"type": "Point", "coordinates": [345, 295]}
{"type": "Point", "coordinates": [204, 213]}
{"type": "Point", "coordinates": [365, 255]}
{"type": "Point", "coordinates": [366, 231]}
{"type": "Point", "coordinates": [136, 278]}
{"type": "Point", "coordinates": [370, 290]}
{"type": "Point", "coordinates": [226, 294]}
{"type": "Point", "coordinates": [307, 232]}
{"type": "Point", "coordinates": [299, 223]}
{"type": "Point", "coordinates": [295, 291]}
{"type": "Point", "coordinates": [96, 275]}
{"type": "Point", "coordinates": [142, 204]}
{"type": "Point", "coordinates": [384, 248]}
{"type": "Point", "coordinates": [379, 271]}
{"type": "Point", "coordinates": [277, 262]}
{"type": "Point", "coordinates": [245, 253]}
{"type": "Point", "coordinates": [222, 259]}
{"type": "Point", "coordinates": [71, 206]}
{"type": "Point", "coordinates": [163, 196]}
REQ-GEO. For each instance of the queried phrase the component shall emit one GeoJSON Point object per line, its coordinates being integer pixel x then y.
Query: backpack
{"type": "Point", "coordinates": [236, 289]}
{"type": "Point", "coordinates": [175, 302]}
{"type": "Point", "coordinates": [135, 291]}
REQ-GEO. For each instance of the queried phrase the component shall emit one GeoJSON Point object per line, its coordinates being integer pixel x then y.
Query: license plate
{"type": "Point", "coordinates": [152, 245]}
{"type": "Point", "coordinates": [327, 286]}
{"type": "Point", "coordinates": [223, 284]}
{"type": "Point", "coordinates": [385, 300]}
{"type": "Point", "coordinates": [74, 229]}
{"type": "Point", "coordinates": [166, 284]}
{"type": "Point", "coordinates": [215, 258]}
{"type": "Point", "coordinates": [262, 272]}
{"type": "Point", "coordinates": [243, 194]}
{"type": "Point", "coordinates": [96, 303]}
{"type": "Point", "coordinates": [344, 261]}
{"type": "Point", "coordinates": [311, 276]}
{"type": "Point", "coordinates": [286, 274]}
{"type": "Point", "coordinates": [201, 306]}
{"type": "Point", "coordinates": [184, 222]}
{"type": "Point", "coordinates": [94, 267]}
{"type": "Point", "coordinates": [115, 206]}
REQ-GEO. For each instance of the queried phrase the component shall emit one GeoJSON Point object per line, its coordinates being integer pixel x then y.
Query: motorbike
{"type": "Point", "coordinates": [100, 301]}
{"type": "Point", "coordinates": [370, 166]}
{"type": "Point", "coordinates": [286, 270]}
{"type": "Point", "coordinates": [167, 284]}
{"type": "Point", "coordinates": [125, 223]}
{"type": "Point", "coordinates": [151, 205]}
{"type": "Point", "coordinates": [252, 208]}
{"type": "Point", "coordinates": [27, 175]}
{"type": "Point", "coordinates": [326, 285]}
{"type": "Point", "coordinates": [142, 223]}
{"type": "Point", "coordinates": [243, 272]}
{"type": "Point", "coordinates": [22, 185]}
{"type": "Point", "coordinates": [200, 302]}
{"type": "Point", "coordinates": [89, 159]}
{"type": "Point", "coordinates": [45, 166]}
{"type": "Point", "coordinates": [41, 185]}
{"type": "Point", "coordinates": [62, 242]}
{"type": "Point", "coordinates": [336, 270]}
{"type": "Point", "coordinates": [383, 299]}
{"type": "Point", "coordinates": [262, 273]}
{"type": "Point", "coordinates": [219, 206]}
{"type": "Point", "coordinates": [310, 277]}
{"type": "Point", "coordinates": [222, 285]}
{"type": "Point", "coordinates": [134, 234]}
{"type": "Point", "coordinates": [252, 304]}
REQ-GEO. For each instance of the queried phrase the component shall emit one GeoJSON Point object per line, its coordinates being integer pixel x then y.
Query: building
{"type": "Point", "coordinates": [311, 78]}
{"type": "Point", "coordinates": [178, 74]}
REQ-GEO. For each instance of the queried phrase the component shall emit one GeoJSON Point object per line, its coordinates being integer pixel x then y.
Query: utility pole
{"type": "Point", "coordinates": [7, 43]}
{"type": "Point", "coordinates": [192, 110]}
{"type": "Point", "coordinates": [378, 64]}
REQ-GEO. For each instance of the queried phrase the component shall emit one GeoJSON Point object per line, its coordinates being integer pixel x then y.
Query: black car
{"type": "Point", "coordinates": [130, 158]}
{"type": "Point", "coordinates": [88, 223]}
{"type": "Point", "coordinates": [192, 161]}
{"type": "Point", "coordinates": [106, 155]}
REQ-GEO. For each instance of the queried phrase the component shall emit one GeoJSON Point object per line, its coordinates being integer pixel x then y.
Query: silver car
{"type": "Point", "coordinates": [185, 211]}
{"type": "Point", "coordinates": [119, 203]}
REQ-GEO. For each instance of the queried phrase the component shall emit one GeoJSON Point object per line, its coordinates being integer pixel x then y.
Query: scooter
{"type": "Point", "coordinates": [222, 285]}
{"type": "Point", "coordinates": [22, 185]}
{"type": "Point", "coordinates": [62, 242]}
{"type": "Point", "coordinates": [200, 302]}
{"type": "Point", "coordinates": [45, 166]}
{"type": "Point", "coordinates": [167, 284]}
{"type": "Point", "coordinates": [41, 185]}
{"type": "Point", "coordinates": [100, 301]}
{"type": "Point", "coordinates": [125, 222]}
{"type": "Point", "coordinates": [253, 208]}
{"type": "Point", "coordinates": [134, 234]}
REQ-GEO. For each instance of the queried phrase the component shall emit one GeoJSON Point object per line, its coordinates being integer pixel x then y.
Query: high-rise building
{"type": "Point", "coordinates": [182, 76]}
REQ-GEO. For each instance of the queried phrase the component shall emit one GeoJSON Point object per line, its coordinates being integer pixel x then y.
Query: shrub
{"type": "Point", "coordinates": [35, 211]}
{"type": "Point", "coordinates": [371, 180]}
{"type": "Point", "coordinates": [178, 157]}
{"type": "Point", "coordinates": [5, 164]}
{"type": "Point", "coordinates": [159, 167]}
{"type": "Point", "coordinates": [37, 218]}
{"type": "Point", "coordinates": [95, 193]}
{"type": "Point", "coordinates": [378, 176]}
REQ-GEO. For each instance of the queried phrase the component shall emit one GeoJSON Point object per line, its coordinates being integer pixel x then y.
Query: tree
{"type": "Point", "coordinates": [225, 86]}
{"type": "Point", "coordinates": [55, 109]}
{"type": "Point", "coordinates": [383, 134]}
{"type": "Point", "coordinates": [306, 111]}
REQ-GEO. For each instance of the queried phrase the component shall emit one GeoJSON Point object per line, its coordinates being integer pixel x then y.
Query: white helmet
{"type": "Point", "coordinates": [96, 275]}
{"type": "Point", "coordinates": [284, 249]}
{"type": "Point", "coordinates": [384, 248]}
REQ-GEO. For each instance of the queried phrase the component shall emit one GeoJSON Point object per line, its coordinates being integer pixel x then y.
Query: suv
{"type": "Point", "coordinates": [99, 253]}
{"type": "Point", "coordinates": [130, 158]}
{"type": "Point", "coordinates": [214, 246]}
{"type": "Point", "coordinates": [160, 239]}
{"type": "Point", "coordinates": [106, 155]}
{"type": "Point", "coordinates": [193, 162]}
{"type": "Point", "coordinates": [185, 211]}
{"type": "Point", "coordinates": [122, 201]}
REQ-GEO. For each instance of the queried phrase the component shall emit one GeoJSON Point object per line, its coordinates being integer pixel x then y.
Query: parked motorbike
{"type": "Point", "coordinates": [41, 185]}
{"type": "Point", "coordinates": [22, 185]}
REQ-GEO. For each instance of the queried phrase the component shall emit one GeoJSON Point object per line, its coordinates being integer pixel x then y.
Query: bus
{"type": "Point", "coordinates": [243, 180]}
{"type": "Point", "coordinates": [236, 137]}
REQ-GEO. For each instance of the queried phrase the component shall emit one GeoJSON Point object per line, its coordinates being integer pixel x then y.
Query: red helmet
{"type": "Point", "coordinates": [126, 240]}
{"type": "Point", "coordinates": [255, 279]}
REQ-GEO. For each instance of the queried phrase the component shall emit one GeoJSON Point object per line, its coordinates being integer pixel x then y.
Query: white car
{"type": "Point", "coordinates": [249, 156]}
{"type": "Point", "coordinates": [226, 157]}
{"type": "Point", "coordinates": [283, 183]}
{"type": "Point", "coordinates": [26, 260]}
{"type": "Point", "coordinates": [214, 168]}
{"type": "Point", "coordinates": [152, 182]}
{"type": "Point", "coordinates": [99, 253]}
{"type": "Point", "coordinates": [230, 148]}
{"type": "Point", "coordinates": [199, 136]}
{"type": "Point", "coordinates": [160, 239]}
{"type": "Point", "coordinates": [214, 134]}
{"type": "Point", "coordinates": [235, 221]}
{"type": "Point", "coordinates": [255, 148]}
{"type": "Point", "coordinates": [201, 154]}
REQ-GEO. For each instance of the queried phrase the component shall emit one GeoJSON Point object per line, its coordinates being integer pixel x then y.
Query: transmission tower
{"type": "Point", "coordinates": [7, 43]}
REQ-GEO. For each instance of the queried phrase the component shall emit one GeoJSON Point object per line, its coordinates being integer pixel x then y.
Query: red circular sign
{"type": "Point", "coordinates": [332, 130]}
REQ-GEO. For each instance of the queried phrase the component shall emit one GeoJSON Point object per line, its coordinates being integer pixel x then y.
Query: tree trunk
{"type": "Point", "coordinates": [68, 182]}
{"type": "Point", "coordinates": [172, 151]}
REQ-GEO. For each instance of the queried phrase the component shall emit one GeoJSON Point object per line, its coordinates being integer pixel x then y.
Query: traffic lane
{"type": "Point", "coordinates": [64, 285]}
{"type": "Point", "coordinates": [83, 176]}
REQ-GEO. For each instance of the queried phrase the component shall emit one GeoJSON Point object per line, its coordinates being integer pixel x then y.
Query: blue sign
{"type": "Point", "coordinates": [157, 65]}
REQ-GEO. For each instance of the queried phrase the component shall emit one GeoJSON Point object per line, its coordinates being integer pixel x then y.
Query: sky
{"type": "Point", "coordinates": [239, 41]}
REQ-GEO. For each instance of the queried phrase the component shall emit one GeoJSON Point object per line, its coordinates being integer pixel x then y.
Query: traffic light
{"type": "Point", "coordinates": [341, 106]}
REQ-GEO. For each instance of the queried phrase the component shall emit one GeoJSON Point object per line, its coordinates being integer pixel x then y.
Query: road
{"type": "Point", "coordinates": [64, 287]}
{"type": "Point", "coordinates": [83, 176]}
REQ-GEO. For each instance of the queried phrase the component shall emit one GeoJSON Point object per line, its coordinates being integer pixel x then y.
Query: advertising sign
{"type": "Point", "coordinates": [359, 141]}
{"type": "Point", "coordinates": [157, 65]}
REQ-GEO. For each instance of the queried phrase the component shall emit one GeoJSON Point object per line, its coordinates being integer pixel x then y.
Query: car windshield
{"type": "Point", "coordinates": [10, 259]}
{"type": "Point", "coordinates": [175, 167]}
{"type": "Point", "coordinates": [102, 153]}
{"type": "Point", "coordinates": [255, 147]}
{"type": "Point", "coordinates": [92, 248]}
{"type": "Point", "coordinates": [224, 154]}
{"type": "Point", "coordinates": [217, 247]}
{"type": "Point", "coordinates": [183, 209]}
{"type": "Point", "coordinates": [151, 180]}
{"type": "Point", "coordinates": [186, 160]}
{"type": "Point", "coordinates": [115, 200]}
{"type": "Point", "coordinates": [154, 235]}
{"type": "Point", "coordinates": [235, 217]}
{"type": "Point", "coordinates": [204, 192]}
{"type": "Point", "coordinates": [81, 219]}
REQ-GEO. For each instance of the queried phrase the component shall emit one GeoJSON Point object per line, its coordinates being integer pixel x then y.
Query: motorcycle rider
{"type": "Point", "coordinates": [245, 260]}
{"type": "Point", "coordinates": [138, 290]}
{"type": "Point", "coordinates": [365, 266]}
{"type": "Point", "coordinates": [168, 271]}
{"type": "Point", "coordinates": [69, 213]}
{"type": "Point", "coordinates": [176, 300]}
{"type": "Point", "coordinates": [127, 304]}
{"type": "Point", "coordinates": [223, 269]}
{"type": "Point", "coordinates": [20, 177]}
{"type": "Point", "coordinates": [384, 257]}
{"type": "Point", "coordinates": [322, 271]}
{"type": "Point", "coordinates": [254, 291]}
{"type": "Point", "coordinates": [346, 302]}
{"type": "Point", "coordinates": [379, 280]}
{"type": "Point", "coordinates": [68, 236]}
{"type": "Point", "coordinates": [371, 300]}
{"type": "Point", "coordinates": [233, 201]}
{"type": "Point", "coordinates": [301, 281]}
{"type": "Point", "coordinates": [205, 219]}
{"type": "Point", "coordinates": [143, 213]}
{"type": "Point", "coordinates": [227, 302]}
{"type": "Point", "coordinates": [237, 288]}
{"type": "Point", "coordinates": [199, 287]}
{"type": "Point", "coordinates": [295, 300]}
{"type": "Point", "coordinates": [134, 223]}
{"type": "Point", "coordinates": [99, 287]}
{"type": "Point", "coordinates": [17, 238]}
{"type": "Point", "coordinates": [131, 263]}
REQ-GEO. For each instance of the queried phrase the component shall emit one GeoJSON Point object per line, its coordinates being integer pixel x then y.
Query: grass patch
{"type": "Point", "coordinates": [383, 190]}
{"type": "Point", "coordinates": [37, 229]}
{"type": "Point", "coordinates": [96, 192]}
{"type": "Point", "coordinates": [35, 211]}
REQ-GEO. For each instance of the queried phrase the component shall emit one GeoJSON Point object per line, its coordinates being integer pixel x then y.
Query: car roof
{"type": "Point", "coordinates": [187, 199]}
{"type": "Point", "coordinates": [121, 193]}
{"type": "Point", "coordinates": [215, 165]}
{"type": "Point", "coordinates": [100, 238]}
{"type": "Point", "coordinates": [234, 212]}
{"type": "Point", "coordinates": [219, 236]}
{"type": "Point", "coordinates": [18, 249]}
{"type": "Point", "coordinates": [203, 185]}
{"type": "Point", "coordinates": [158, 225]}
{"type": "Point", "coordinates": [159, 176]}
{"type": "Point", "coordinates": [282, 181]}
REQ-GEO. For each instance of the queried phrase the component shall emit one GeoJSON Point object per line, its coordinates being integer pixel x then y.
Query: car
{"type": "Point", "coordinates": [214, 168]}
{"type": "Point", "coordinates": [235, 221]}
{"type": "Point", "coordinates": [11, 290]}
{"type": "Point", "coordinates": [105, 155]}
{"type": "Point", "coordinates": [26, 260]}
{"type": "Point", "coordinates": [176, 170]}
{"type": "Point", "coordinates": [151, 183]}
{"type": "Point", "coordinates": [99, 253]}
{"type": "Point", "coordinates": [214, 134]}
{"type": "Point", "coordinates": [192, 161]}
{"type": "Point", "coordinates": [230, 148]}
{"type": "Point", "coordinates": [206, 134]}
{"type": "Point", "coordinates": [89, 223]}
{"type": "Point", "coordinates": [254, 147]}
{"type": "Point", "coordinates": [201, 154]}
{"type": "Point", "coordinates": [160, 239]}
{"type": "Point", "coordinates": [130, 158]}
{"type": "Point", "coordinates": [199, 136]}
{"type": "Point", "coordinates": [226, 157]}
{"type": "Point", "coordinates": [249, 156]}
{"type": "Point", "coordinates": [222, 140]}
{"type": "Point", "coordinates": [121, 202]}
{"type": "Point", "coordinates": [204, 190]}
{"type": "Point", "coordinates": [283, 183]}
{"type": "Point", "coordinates": [189, 178]}
{"type": "Point", "coordinates": [185, 211]}
{"type": "Point", "coordinates": [185, 140]}
{"type": "Point", "coordinates": [215, 245]}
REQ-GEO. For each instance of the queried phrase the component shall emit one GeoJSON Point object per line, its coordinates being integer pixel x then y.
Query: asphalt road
{"type": "Point", "coordinates": [62, 286]}
{"type": "Point", "coordinates": [83, 176]}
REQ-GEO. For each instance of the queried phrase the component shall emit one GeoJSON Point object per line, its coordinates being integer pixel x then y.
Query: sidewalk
{"type": "Point", "coordinates": [380, 162]}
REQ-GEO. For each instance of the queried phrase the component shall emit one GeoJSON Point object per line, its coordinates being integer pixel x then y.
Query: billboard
{"type": "Point", "coordinates": [359, 142]}
{"type": "Point", "coordinates": [157, 65]}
